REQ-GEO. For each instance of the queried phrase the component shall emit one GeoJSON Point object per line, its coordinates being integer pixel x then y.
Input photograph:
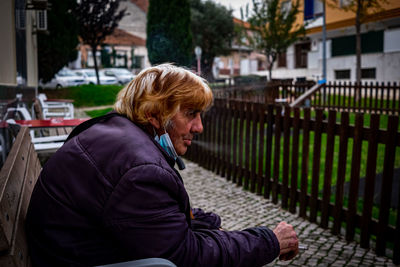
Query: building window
{"type": "Point", "coordinates": [301, 51]}
{"type": "Point", "coordinates": [371, 42]}
{"type": "Point", "coordinates": [342, 74]}
{"type": "Point", "coordinates": [138, 62]}
{"type": "Point", "coordinates": [369, 73]}
{"type": "Point", "coordinates": [282, 60]}
{"type": "Point", "coordinates": [312, 9]}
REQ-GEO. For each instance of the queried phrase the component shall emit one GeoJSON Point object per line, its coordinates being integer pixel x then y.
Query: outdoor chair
{"type": "Point", "coordinates": [41, 143]}
{"type": "Point", "coordinates": [56, 108]}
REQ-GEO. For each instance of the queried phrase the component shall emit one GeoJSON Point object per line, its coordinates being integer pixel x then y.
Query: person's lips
{"type": "Point", "coordinates": [187, 142]}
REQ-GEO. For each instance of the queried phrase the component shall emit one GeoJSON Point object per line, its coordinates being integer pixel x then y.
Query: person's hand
{"type": "Point", "coordinates": [288, 241]}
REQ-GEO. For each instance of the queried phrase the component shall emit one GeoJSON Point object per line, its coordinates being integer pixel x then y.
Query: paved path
{"type": "Point", "coordinates": [240, 209]}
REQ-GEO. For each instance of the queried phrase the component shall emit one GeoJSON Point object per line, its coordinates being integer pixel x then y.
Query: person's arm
{"type": "Point", "coordinates": [207, 220]}
{"type": "Point", "coordinates": [146, 217]}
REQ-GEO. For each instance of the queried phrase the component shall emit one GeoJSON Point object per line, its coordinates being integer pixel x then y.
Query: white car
{"type": "Point", "coordinates": [90, 76]}
{"type": "Point", "coordinates": [64, 78]}
{"type": "Point", "coordinates": [122, 75]}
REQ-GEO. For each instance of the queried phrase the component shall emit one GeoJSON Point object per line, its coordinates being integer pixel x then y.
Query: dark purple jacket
{"type": "Point", "coordinates": [111, 194]}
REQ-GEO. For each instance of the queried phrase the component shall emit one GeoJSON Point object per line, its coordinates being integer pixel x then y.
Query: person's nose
{"type": "Point", "coordinates": [197, 126]}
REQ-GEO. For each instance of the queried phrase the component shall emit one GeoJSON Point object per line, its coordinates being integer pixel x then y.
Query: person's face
{"type": "Point", "coordinates": [184, 125]}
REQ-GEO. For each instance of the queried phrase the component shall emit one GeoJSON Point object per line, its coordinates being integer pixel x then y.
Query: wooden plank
{"type": "Point", "coordinates": [209, 138]}
{"type": "Point", "coordinates": [316, 165]}
{"type": "Point", "coordinates": [223, 139]}
{"type": "Point", "coordinates": [254, 153]}
{"type": "Point", "coordinates": [396, 249]}
{"type": "Point", "coordinates": [355, 177]}
{"type": "Point", "coordinates": [341, 174]}
{"type": "Point", "coordinates": [330, 145]}
{"type": "Point", "coordinates": [369, 181]}
{"type": "Point", "coordinates": [247, 146]}
{"type": "Point", "coordinates": [18, 253]}
{"type": "Point", "coordinates": [376, 88]}
{"type": "Point", "coordinates": [241, 141]}
{"type": "Point", "coordinates": [229, 165]}
{"type": "Point", "coordinates": [381, 89]}
{"type": "Point", "coordinates": [304, 163]}
{"type": "Point", "coordinates": [277, 149]}
{"type": "Point", "coordinates": [295, 160]}
{"type": "Point", "coordinates": [286, 157]}
{"type": "Point", "coordinates": [10, 186]}
{"type": "Point", "coordinates": [214, 136]}
{"type": "Point", "coordinates": [261, 143]}
{"type": "Point", "coordinates": [235, 141]}
{"type": "Point", "coordinates": [387, 183]}
{"type": "Point", "coordinates": [218, 139]}
{"type": "Point", "coordinates": [268, 149]}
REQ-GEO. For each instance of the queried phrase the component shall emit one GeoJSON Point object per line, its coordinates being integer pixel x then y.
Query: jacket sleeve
{"type": "Point", "coordinates": [145, 215]}
{"type": "Point", "coordinates": [208, 220]}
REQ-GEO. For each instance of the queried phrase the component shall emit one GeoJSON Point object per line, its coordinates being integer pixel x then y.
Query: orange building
{"type": "Point", "coordinates": [380, 35]}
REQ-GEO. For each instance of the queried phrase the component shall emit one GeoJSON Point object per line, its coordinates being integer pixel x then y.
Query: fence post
{"type": "Point", "coordinates": [387, 181]}
{"type": "Point", "coordinates": [304, 163]}
{"type": "Point", "coordinates": [295, 160]}
{"type": "Point", "coordinates": [330, 144]}
{"type": "Point", "coordinates": [278, 123]}
{"type": "Point", "coordinates": [316, 167]}
{"type": "Point", "coordinates": [286, 157]}
{"type": "Point", "coordinates": [268, 156]}
{"type": "Point", "coordinates": [261, 143]}
{"type": "Point", "coordinates": [355, 177]}
{"type": "Point", "coordinates": [341, 174]}
{"type": "Point", "coordinates": [253, 173]}
{"type": "Point", "coordinates": [369, 181]}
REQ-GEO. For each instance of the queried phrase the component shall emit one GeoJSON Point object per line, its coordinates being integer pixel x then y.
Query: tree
{"type": "Point", "coordinates": [57, 47]}
{"type": "Point", "coordinates": [362, 9]}
{"type": "Point", "coordinates": [213, 31]}
{"type": "Point", "coordinates": [97, 19]}
{"type": "Point", "coordinates": [274, 28]}
{"type": "Point", "coordinates": [169, 38]}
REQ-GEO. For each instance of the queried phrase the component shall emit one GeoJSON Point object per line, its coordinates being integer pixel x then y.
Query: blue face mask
{"type": "Point", "coordinates": [166, 143]}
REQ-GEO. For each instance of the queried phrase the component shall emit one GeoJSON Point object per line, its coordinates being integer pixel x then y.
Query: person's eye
{"type": "Point", "coordinates": [192, 113]}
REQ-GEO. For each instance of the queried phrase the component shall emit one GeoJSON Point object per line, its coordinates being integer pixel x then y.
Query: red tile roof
{"type": "Point", "coordinates": [121, 37]}
{"type": "Point", "coordinates": [241, 22]}
{"type": "Point", "coordinates": [142, 4]}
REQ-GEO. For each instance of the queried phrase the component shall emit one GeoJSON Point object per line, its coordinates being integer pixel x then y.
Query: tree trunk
{"type": "Point", "coordinates": [206, 69]}
{"type": "Point", "coordinates": [358, 50]}
{"type": "Point", "coordinates": [94, 51]}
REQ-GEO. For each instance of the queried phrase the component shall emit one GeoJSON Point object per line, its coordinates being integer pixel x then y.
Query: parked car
{"type": "Point", "coordinates": [122, 75]}
{"type": "Point", "coordinates": [90, 76]}
{"type": "Point", "coordinates": [64, 78]}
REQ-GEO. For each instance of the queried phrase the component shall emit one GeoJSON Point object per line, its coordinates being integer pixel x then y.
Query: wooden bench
{"type": "Point", "coordinates": [17, 179]}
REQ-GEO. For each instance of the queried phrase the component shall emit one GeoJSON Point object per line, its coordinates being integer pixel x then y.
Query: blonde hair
{"type": "Point", "coordinates": [162, 91]}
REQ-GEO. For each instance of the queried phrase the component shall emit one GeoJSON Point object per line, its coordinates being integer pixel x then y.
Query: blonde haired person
{"type": "Point", "coordinates": [111, 194]}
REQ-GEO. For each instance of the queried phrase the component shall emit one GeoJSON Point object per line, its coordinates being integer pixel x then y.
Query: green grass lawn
{"type": "Point", "coordinates": [86, 95]}
{"type": "Point", "coordinates": [97, 112]}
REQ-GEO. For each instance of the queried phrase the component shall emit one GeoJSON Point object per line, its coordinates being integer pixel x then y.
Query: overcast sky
{"type": "Point", "coordinates": [235, 5]}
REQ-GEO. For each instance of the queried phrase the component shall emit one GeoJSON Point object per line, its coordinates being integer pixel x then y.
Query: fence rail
{"type": "Point", "coordinates": [280, 153]}
{"type": "Point", "coordinates": [351, 97]}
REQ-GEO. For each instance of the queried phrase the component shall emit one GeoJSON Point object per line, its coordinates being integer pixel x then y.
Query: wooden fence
{"type": "Point", "coordinates": [366, 97]}
{"type": "Point", "coordinates": [281, 153]}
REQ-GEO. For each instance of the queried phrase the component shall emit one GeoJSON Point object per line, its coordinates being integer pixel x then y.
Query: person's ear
{"type": "Point", "coordinates": [154, 122]}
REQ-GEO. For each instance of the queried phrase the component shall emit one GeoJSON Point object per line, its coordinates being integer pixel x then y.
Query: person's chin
{"type": "Point", "coordinates": [182, 151]}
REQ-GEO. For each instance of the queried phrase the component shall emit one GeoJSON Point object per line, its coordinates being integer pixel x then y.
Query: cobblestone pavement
{"type": "Point", "coordinates": [240, 209]}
